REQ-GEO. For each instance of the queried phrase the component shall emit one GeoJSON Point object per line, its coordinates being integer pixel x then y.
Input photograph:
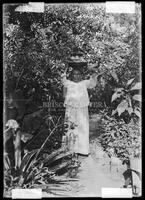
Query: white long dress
{"type": "Point", "coordinates": [76, 103]}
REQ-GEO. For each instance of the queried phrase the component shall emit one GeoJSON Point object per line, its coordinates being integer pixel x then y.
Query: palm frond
{"type": "Point", "coordinates": [46, 140]}
{"type": "Point", "coordinates": [59, 167]}
{"type": "Point", "coordinates": [7, 163]}
{"type": "Point", "coordinates": [57, 157]}
{"type": "Point", "coordinates": [53, 154]}
{"type": "Point", "coordinates": [27, 159]}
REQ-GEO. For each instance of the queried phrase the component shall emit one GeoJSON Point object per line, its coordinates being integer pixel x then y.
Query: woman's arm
{"type": "Point", "coordinates": [95, 75]}
{"type": "Point", "coordinates": [63, 77]}
{"type": "Point", "coordinates": [92, 82]}
{"type": "Point", "coordinates": [64, 92]}
{"type": "Point", "coordinates": [64, 82]}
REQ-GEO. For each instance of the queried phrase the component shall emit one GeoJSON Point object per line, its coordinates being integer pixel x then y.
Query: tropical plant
{"type": "Point", "coordinates": [31, 122]}
{"type": "Point", "coordinates": [38, 167]}
{"type": "Point", "coordinates": [41, 172]}
{"type": "Point", "coordinates": [128, 98]}
{"type": "Point", "coordinates": [124, 139]}
{"type": "Point", "coordinates": [121, 137]}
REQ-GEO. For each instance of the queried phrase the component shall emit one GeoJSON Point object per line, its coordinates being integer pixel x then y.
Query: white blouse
{"type": "Point", "coordinates": [77, 94]}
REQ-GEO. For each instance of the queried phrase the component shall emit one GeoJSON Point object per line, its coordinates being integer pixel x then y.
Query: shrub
{"type": "Point", "coordinates": [124, 139]}
{"type": "Point", "coordinates": [128, 98]}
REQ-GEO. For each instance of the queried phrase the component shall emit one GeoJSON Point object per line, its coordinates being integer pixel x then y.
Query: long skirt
{"type": "Point", "coordinates": [78, 129]}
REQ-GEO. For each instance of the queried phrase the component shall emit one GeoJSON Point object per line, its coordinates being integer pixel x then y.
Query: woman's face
{"type": "Point", "coordinates": [76, 76]}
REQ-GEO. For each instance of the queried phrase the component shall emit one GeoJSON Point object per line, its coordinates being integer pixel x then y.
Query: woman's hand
{"type": "Point", "coordinates": [96, 74]}
{"type": "Point", "coordinates": [92, 67]}
{"type": "Point", "coordinates": [64, 73]}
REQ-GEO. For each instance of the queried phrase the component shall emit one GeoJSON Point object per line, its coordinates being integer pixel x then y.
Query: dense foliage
{"type": "Point", "coordinates": [120, 139]}
{"type": "Point", "coordinates": [38, 167]}
{"type": "Point", "coordinates": [37, 47]}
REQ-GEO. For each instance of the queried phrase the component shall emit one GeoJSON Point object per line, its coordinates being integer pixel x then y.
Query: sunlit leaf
{"type": "Point", "coordinates": [27, 159]}
{"type": "Point", "coordinates": [137, 97]}
{"type": "Point", "coordinates": [137, 113]}
{"type": "Point", "coordinates": [137, 86]}
{"type": "Point", "coordinates": [130, 81]}
{"type": "Point", "coordinates": [122, 107]}
{"type": "Point", "coordinates": [7, 163]}
{"type": "Point", "coordinates": [130, 110]}
{"type": "Point", "coordinates": [116, 95]}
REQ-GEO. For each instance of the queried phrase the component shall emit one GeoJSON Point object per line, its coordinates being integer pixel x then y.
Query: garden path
{"type": "Point", "coordinates": [94, 172]}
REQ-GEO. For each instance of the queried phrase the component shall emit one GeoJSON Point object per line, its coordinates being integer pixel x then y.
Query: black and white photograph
{"type": "Point", "coordinates": [72, 99]}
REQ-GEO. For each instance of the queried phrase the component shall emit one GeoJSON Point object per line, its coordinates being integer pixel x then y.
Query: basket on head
{"type": "Point", "coordinates": [77, 60]}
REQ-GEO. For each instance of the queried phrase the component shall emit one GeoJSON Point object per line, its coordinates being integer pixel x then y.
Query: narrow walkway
{"type": "Point", "coordinates": [92, 176]}
{"type": "Point", "coordinates": [94, 172]}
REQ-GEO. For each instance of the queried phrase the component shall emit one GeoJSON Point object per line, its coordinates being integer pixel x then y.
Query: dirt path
{"type": "Point", "coordinates": [92, 176]}
{"type": "Point", "coordinates": [94, 172]}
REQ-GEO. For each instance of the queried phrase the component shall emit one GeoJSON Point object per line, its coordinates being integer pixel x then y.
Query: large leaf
{"type": "Point", "coordinates": [58, 157]}
{"type": "Point", "coordinates": [137, 86]}
{"type": "Point", "coordinates": [130, 81]}
{"type": "Point", "coordinates": [137, 173]}
{"type": "Point", "coordinates": [115, 96]}
{"type": "Point", "coordinates": [130, 110]}
{"type": "Point", "coordinates": [27, 160]}
{"type": "Point", "coordinates": [7, 163]}
{"type": "Point", "coordinates": [53, 154]}
{"type": "Point", "coordinates": [122, 107]}
{"type": "Point", "coordinates": [59, 153]}
{"type": "Point", "coordinates": [137, 112]}
{"type": "Point", "coordinates": [118, 93]}
{"type": "Point", "coordinates": [137, 97]}
{"type": "Point", "coordinates": [59, 167]}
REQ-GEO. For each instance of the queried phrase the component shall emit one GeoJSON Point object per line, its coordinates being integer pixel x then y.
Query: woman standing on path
{"type": "Point", "coordinates": [76, 103]}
